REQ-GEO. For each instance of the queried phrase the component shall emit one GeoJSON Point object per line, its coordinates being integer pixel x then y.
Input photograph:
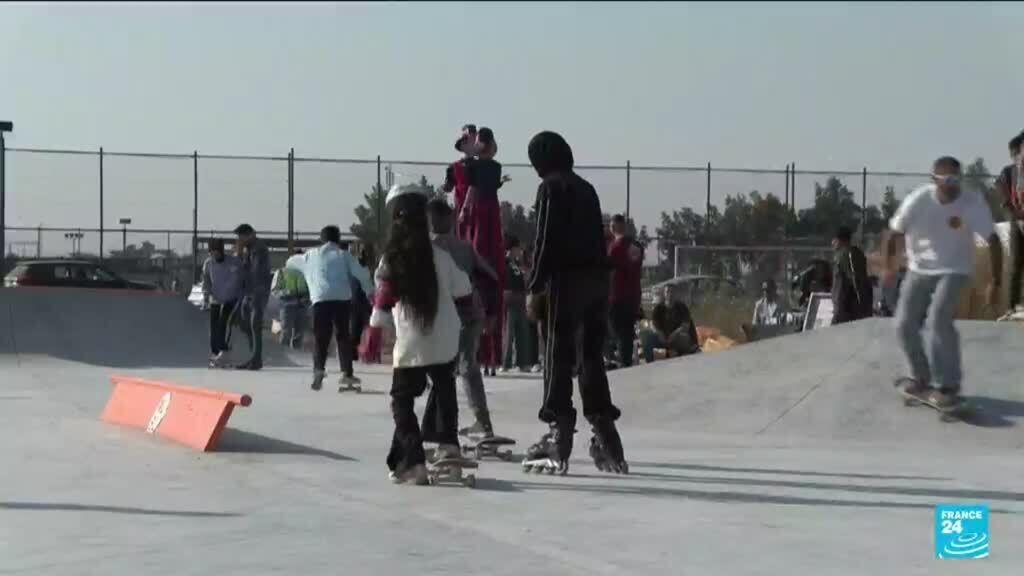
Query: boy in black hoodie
{"type": "Point", "coordinates": [570, 280]}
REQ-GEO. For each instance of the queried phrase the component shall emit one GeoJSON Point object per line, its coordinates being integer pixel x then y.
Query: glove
{"type": "Point", "coordinates": [381, 318]}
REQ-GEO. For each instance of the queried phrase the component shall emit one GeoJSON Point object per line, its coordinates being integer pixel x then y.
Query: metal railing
{"type": "Point", "coordinates": [56, 191]}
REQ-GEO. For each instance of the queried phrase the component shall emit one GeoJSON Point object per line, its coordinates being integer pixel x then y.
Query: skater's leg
{"type": "Point", "coordinates": [944, 340]}
{"type": "Point", "coordinates": [437, 411]}
{"type": "Point", "coordinates": [561, 358]}
{"type": "Point", "coordinates": [911, 312]}
{"type": "Point", "coordinates": [597, 399]}
{"type": "Point", "coordinates": [469, 372]}
{"type": "Point", "coordinates": [444, 429]}
{"type": "Point", "coordinates": [322, 325]}
{"type": "Point", "coordinates": [507, 340]}
{"type": "Point", "coordinates": [624, 322]}
{"type": "Point", "coordinates": [649, 340]}
{"type": "Point", "coordinates": [407, 444]}
{"type": "Point", "coordinates": [522, 336]}
{"type": "Point", "coordinates": [216, 329]}
{"type": "Point", "coordinates": [358, 323]}
{"type": "Point", "coordinates": [341, 319]}
{"type": "Point", "coordinates": [254, 329]}
{"type": "Point", "coordinates": [1017, 264]}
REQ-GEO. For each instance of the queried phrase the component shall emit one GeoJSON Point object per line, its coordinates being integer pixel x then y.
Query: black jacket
{"type": "Point", "coordinates": [570, 229]}
{"type": "Point", "coordinates": [852, 291]}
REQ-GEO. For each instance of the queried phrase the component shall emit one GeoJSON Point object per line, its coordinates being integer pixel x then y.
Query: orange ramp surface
{"type": "Point", "coordinates": [192, 416]}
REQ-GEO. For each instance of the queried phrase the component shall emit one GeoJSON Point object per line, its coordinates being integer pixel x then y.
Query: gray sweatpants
{"type": "Point", "coordinates": [470, 378]}
{"type": "Point", "coordinates": [932, 298]}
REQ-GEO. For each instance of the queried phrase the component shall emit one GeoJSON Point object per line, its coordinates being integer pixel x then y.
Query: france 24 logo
{"type": "Point", "coordinates": [961, 531]}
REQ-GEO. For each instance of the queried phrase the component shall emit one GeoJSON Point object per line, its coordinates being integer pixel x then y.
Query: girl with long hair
{"type": "Point", "coordinates": [417, 288]}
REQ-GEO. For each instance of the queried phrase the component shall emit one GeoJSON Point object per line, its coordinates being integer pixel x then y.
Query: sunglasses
{"type": "Point", "coordinates": [946, 179]}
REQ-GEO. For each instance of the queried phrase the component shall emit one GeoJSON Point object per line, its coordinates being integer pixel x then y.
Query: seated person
{"type": "Point", "coordinates": [769, 315]}
{"type": "Point", "coordinates": [674, 328]}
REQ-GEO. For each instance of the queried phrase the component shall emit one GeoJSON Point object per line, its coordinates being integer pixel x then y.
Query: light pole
{"type": "Point", "coordinates": [5, 126]}
{"type": "Point", "coordinates": [76, 242]}
{"type": "Point", "coordinates": [124, 235]}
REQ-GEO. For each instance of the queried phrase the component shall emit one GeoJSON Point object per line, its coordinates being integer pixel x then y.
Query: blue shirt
{"type": "Point", "coordinates": [329, 272]}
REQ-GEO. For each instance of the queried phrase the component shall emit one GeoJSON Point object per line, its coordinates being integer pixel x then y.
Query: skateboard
{"type": "Point", "coordinates": [478, 448]}
{"type": "Point", "coordinates": [357, 388]}
{"type": "Point", "coordinates": [451, 469]}
{"type": "Point", "coordinates": [960, 411]}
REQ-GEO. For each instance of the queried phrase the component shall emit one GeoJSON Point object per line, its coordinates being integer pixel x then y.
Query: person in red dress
{"type": "Point", "coordinates": [456, 178]}
{"type": "Point", "coordinates": [480, 225]}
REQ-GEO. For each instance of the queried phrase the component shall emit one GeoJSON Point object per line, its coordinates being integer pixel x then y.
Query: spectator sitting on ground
{"type": "Point", "coordinates": [768, 311]}
{"type": "Point", "coordinates": [673, 328]}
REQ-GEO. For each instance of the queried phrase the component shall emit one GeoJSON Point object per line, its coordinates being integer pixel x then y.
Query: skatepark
{"type": "Point", "coordinates": [792, 455]}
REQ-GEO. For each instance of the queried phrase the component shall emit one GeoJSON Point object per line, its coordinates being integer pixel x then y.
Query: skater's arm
{"type": "Point", "coordinates": [484, 266]}
{"type": "Point", "coordinates": [207, 283]}
{"type": "Point", "coordinates": [449, 179]}
{"type": "Point", "coordinates": [995, 254]}
{"type": "Point", "coordinates": [547, 245]}
{"type": "Point", "coordinates": [890, 248]}
{"type": "Point", "coordinates": [360, 273]}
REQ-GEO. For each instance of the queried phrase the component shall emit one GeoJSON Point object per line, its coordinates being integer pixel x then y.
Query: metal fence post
{"type": "Point", "coordinates": [291, 201]}
{"type": "Point", "coordinates": [707, 208]}
{"type": "Point", "coordinates": [101, 203]}
{"type": "Point", "coordinates": [3, 204]}
{"type": "Point", "coordinates": [628, 171]}
{"type": "Point", "coordinates": [379, 201]}
{"type": "Point", "coordinates": [195, 216]}
{"type": "Point", "coordinates": [863, 204]}
{"type": "Point", "coordinates": [792, 183]}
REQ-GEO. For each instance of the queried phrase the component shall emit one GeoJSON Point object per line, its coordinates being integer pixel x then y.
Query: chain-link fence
{"type": "Point", "coordinates": [104, 205]}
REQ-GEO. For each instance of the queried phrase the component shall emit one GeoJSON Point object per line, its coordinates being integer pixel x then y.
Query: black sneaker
{"type": "Point", "coordinates": [318, 380]}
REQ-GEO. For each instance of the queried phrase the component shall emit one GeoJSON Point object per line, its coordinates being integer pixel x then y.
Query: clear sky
{"type": "Point", "coordinates": [830, 86]}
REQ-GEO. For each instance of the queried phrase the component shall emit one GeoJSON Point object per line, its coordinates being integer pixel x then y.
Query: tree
{"type": "Point", "coordinates": [978, 180]}
{"type": "Point", "coordinates": [516, 221]}
{"type": "Point", "coordinates": [372, 217]}
{"type": "Point", "coordinates": [889, 203]}
{"type": "Point", "coordinates": [834, 206]}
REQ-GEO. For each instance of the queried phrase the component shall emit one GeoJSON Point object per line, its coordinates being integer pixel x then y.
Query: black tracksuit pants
{"type": "Point", "coordinates": [220, 317]}
{"type": "Point", "coordinates": [440, 416]}
{"type": "Point", "coordinates": [577, 302]}
{"type": "Point", "coordinates": [331, 318]}
{"type": "Point", "coordinates": [624, 326]}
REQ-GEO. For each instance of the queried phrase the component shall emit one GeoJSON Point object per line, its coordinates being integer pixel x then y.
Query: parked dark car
{"type": "Point", "coordinates": [69, 274]}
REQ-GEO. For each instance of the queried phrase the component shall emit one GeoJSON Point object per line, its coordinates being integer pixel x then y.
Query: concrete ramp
{"type": "Point", "coordinates": [832, 384]}
{"type": "Point", "coordinates": [114, 328]}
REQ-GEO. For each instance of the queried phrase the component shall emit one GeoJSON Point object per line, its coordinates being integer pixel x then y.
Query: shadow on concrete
{"type": "Point", "coordinates": [951, 494]}
{"type": "Point", "coordinates": [707, 468]}
{"type": "Point", "coordinates": [65, 507]}
{"type": "Point", "coordinates": [484, 484]}
{"type": "Point", "coordinates": [994, 412]}
{"type": "Point", "coordinates": [727, 497]}
{"type": "Point", "coordinates": [241, 442]}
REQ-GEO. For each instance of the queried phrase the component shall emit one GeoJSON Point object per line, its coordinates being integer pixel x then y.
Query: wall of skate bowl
{"type": "Point", "coordinates": [830, 384]}
{"type": "Point", "coordinates": [111, 328]}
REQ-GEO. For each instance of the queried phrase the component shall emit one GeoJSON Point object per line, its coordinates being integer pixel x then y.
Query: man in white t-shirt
{"type": "Point", "coordinates": [939, 222]}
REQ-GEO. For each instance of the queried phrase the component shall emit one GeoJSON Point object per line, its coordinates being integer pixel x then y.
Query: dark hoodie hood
{"type": "Point", "coordinates": [550, 153]}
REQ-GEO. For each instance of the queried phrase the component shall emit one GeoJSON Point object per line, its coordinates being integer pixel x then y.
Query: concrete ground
{"type": "Point", "coordinates": [788, 456]}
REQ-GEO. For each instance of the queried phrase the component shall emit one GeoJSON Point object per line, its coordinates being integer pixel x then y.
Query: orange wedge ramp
{"type": "Point", "coordinates": [191, 416]}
